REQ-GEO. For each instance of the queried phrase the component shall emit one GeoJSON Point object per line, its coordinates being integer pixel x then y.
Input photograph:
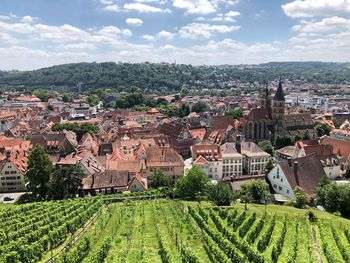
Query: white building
{"type": "Point", "coordinates": [254, 159]}
{"type": "Point", "coordinates": [304, 172]}
{"type": "Point", "coordinates": [232, 161]}
{"type": "Point", "coordinates": [12, 176]}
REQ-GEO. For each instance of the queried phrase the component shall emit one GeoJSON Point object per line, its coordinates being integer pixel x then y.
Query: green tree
{"type": "Point", "coordinates": [200, 106]}
{"type": "Point", "coordinates": [254, 191]}
{"type": "Point", "coordinates": [266, 146]}
{"type": "Point", "coordinates": [269, 165]}
{"type": "Point", "coordinates": [322, 129]}
{"type": "Point", "coordinates": [220, 194]}
{"type": "Point", "coordinates": [65, 98]}
{"type": "Point", "coordinates": [38, 173]}
{"type": "Point", "coordinates": [192, 184]}
{"type": "Point", "coordinates": [159, 179]}
{"type": "Point", "coordinates": [65, 182]}
{"type": "Point", "coordinates": [283, 141]}
{"type": "Point", "coordinates": [236, 113]}
{"type": "Point", "coordinates": [347, 172]}
{"type": "Point", "coordinates": [184, 110]}
{"type": "Point", "coordinates": [300, 199]}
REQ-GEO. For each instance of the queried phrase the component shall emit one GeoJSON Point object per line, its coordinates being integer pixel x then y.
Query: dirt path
{"type": "Point", "coordinates": [319, 258]}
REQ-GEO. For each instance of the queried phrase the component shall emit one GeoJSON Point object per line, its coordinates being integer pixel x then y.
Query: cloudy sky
{"type": "Point", "coordinates": [40, 33]}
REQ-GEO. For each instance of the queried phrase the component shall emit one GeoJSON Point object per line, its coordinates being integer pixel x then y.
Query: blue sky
{"type": "Point", "coordinates": [40, 33]}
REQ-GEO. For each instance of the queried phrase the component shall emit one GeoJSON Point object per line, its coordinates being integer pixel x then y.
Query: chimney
{"type": "Point", "coordinates": [289, 161]}
{"type": "Point", "coordinates": [296, 166]}
{"type": "Point", "coordinates": [238, 144]}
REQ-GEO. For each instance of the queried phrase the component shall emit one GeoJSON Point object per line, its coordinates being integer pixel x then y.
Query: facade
{"type": "Point", "coordinates": [232, 161]}
{"type": "Point", "coordinates": [254, 159]}
{"type": "Point", "coordinates": [304, 172]}
{"type": "Point", "coordinates": [11, 178]}
{"type": "Point", "coordinates": [209, 156]}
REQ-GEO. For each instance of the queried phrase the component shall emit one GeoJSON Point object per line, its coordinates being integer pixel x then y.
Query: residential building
{"type": "Point", "coordinates": [304, 172]}
{"type": "Point", "coordinates": [254, 159]}
{"type": "Point", "coordinates": [232, 161]}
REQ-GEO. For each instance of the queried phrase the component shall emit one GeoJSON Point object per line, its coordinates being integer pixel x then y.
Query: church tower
{"type": "Point", "coordinates": [266, 99]}
{"type": "Point", "coordinates": [278, 105]}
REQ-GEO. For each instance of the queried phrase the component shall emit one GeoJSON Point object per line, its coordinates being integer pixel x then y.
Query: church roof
{"type": "Point", "coordinates": [279, 96]}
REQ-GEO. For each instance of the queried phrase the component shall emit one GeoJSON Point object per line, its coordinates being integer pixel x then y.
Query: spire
{"type": "Point", "coordinates": [279, 96]}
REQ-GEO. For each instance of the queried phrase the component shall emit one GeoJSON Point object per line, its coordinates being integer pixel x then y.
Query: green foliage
{"type": "Point", "coordinates": [184, 110]}
{"type": "Point", "coordinates": [347, 173]}
{"type": "Point", "coordinates": [159, 179]}
{"type": "Point", "coordinates": [42, 94]}
{"type": "Point", "coordinates": [300, 199]}
{"type": "Point", "coordinates": [169, 109]}
{"type": "Point", "coordinates": [254, 191]}
{"type": "Point", "coordinates": [192, 184]}
{"type": "Point", "coordinates": [219, 194]}
{"type": "Point", "coordinates": [92, 100]}
{"type": "Point", "coordinates": [283, 142]}
{"type": "Point", "coordinates": [65, 182]}
{"type": "Point", "coordinates": [322, 129]}
{"type": "Point", "coordinates": [236, 113]}
{"type": "Point", "coordinates": [133, 99]}
{"type": "Point", "coordinates": [65, 98]}
{"type": "Point", "coordinates": [200, 106]}
{"type": "Point", "coordinates": [38, 173]}
{"type": "Point", "coordinates": [79, 129]}
{"type": "Point", "coordinates": [266, 146]}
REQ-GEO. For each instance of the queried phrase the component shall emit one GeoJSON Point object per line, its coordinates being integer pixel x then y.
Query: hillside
{"type": "Point", "coordinates": [171, 77]}
{"type": "Point", "coordinates": [169, 231]}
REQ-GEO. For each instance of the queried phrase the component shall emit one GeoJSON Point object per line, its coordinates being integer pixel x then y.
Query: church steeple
{"type": "Point", "coordinates": [279, 96]}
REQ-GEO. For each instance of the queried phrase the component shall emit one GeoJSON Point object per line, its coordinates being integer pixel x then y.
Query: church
{"type": "Point", "coordinates": [270, 120]}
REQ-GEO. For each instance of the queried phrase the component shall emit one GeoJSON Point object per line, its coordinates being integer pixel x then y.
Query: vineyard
{"type": "Point", "coordinates": [169, 231]}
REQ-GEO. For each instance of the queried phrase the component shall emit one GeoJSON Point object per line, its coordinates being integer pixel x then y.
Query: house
{"type": "Point", "coordinates": [12, 172]}
{"type": "Point", "coordinates": [164, 159]}
{"type": "Point", "coordinates": [110, 182]}
{"type": "Point", "coordinates": [254, 159]}
{"type": "Point", "coordinates": [209, 158]}
{"type": "Point", "coordinates": [304, 172]}
{"type": "Point", "coordinates": [232, 160]}
{"type": "Point", "coordinates": [341, 148]}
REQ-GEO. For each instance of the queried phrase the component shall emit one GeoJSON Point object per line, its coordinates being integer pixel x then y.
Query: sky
{"type": "Point", "coordinates": [41, 33]}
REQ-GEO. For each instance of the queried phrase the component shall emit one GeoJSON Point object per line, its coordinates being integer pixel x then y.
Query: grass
{"type": "Point", "coordinates": [134, 228]}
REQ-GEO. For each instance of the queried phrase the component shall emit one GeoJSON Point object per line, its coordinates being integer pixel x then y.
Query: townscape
{"type": "Point", "coordinates": [174, 131]}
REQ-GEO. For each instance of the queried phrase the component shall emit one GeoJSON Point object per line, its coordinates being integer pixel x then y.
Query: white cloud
{"type": "Point", "coordinates": [77, 46]}
{"type": "Point", "coordinates": [310, 8]}
{"type": "Point", "coordinates": [165, 35]}
{"type": "Point", "coordinates": [28, 19]}
{"type": "Point", "coordinates": [113, 31]}
{"type": "Point", "coordinates": [195, 6]}
{"type": "Point", "coordinates": [327, 24]}
{"type": "Point", "coordinates": [148, 37]}
{"type": "Point", "coordinates": [233, 13]}
{"type": "Point", "coordinates": [134, 21]}
{"type": "Point", "coordinates": [144, 8]}
{"type": "Point", "coordinates": [112, 8]}
{"type": "Point", "coordinates": [202, 31]}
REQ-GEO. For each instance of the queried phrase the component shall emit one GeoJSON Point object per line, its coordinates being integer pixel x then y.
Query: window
{"type": "Point", "coordinates": [287, 191]}
{"type": "Point", "coordinates": [280, 188]}
{"type": "Point", "coordinates": [275, 186]}
{"type": "Point", "coordinates": [7, 172]}
{"type": "Point", "coordinates": [278, 173]}
{"type": "Point", "coordinates": [13, 172]}
{"type": "Point", "coordinates": [281, 179]}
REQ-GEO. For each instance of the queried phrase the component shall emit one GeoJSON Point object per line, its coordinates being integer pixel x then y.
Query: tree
{"type": "Point", "coordinates": [65, 98]}
{"type": "Point", "coordinates": [236, 113]}
{"type": "Point", "coordinates": [219, 194]}
{"type": "Point", "coordinates": [200, 106]}
{"type": "Point", "coordinates": [38, 173]}
{"type": "Point", "coordinates": [79, 129]}
{"type": "Point", "coordinates": [300, 199]}
{"type": "Point", "coordinates": [283, 142]}
{"type": "Point", "coordinates": [159, 179]}
{"type": "Point", "coordinates": [192, 184]}
{"type": "Point", "coordinates": [254, 191]}
{"type": "Point", "coordinates": [322, 129]}
{"type": "Point", "coordinates": [65, 182]}
{"type": "Point", "coordinates": [266, 146]}
{"type": "Point", "coordinates": [184, 110]}
{"type": "Point", "coordinates": [269, 165]}
{"type": "Point", "coordinates": [347, 173]}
